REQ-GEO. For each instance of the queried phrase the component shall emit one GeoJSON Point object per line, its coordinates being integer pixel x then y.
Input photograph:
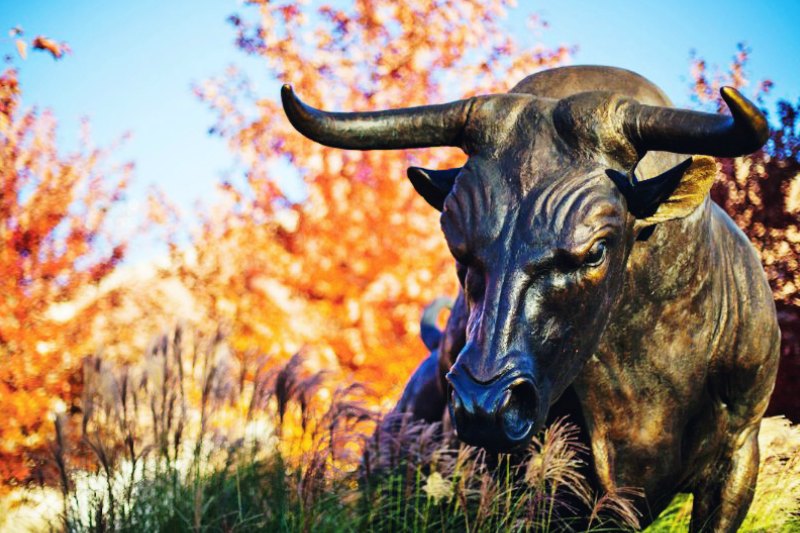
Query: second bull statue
{"type": "Point", "coordinates": [599, 280]}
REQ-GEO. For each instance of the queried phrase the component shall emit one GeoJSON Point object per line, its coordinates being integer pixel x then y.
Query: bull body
{"type": "Point", "coordinates": [645, 317]}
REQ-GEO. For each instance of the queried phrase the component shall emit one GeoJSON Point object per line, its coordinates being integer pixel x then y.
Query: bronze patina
{"type": "Point", "coordinates": [598, 279]}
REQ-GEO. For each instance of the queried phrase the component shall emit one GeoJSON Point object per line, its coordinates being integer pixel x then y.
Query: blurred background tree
{"type": "Point", "coordinates": [54, 252]}
{"type": "Point", "coordinates": [345, 264]}
{"type": "Point", "coordinates": [324, 251]}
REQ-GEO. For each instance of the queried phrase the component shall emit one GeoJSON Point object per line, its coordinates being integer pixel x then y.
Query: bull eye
{"type": "Point", "coordinates": [596, 254]}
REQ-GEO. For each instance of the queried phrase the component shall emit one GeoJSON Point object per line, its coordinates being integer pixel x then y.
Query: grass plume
{"type": "Point", "coordinates": [183, 442]}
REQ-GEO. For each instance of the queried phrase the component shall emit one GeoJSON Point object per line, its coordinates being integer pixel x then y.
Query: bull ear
{"type": "Point", "coordinates": [673, 194]}
{"type": "Point", "coordinates": [433, 185]}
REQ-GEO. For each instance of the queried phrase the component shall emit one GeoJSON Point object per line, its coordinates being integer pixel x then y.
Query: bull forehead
{"type": "Point", "coordinates": [538, 207]}
{"type": "Point", "coordinates": [570, 209]}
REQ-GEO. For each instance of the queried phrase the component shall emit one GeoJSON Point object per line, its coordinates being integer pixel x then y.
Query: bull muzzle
{"type": "Point", "coordinates": [500, 415]}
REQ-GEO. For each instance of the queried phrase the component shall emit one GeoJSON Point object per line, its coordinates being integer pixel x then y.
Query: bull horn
{"type": "Point", "coordinates": [691, 132]}
{"type": "Point", "coordinates": [413, 127]}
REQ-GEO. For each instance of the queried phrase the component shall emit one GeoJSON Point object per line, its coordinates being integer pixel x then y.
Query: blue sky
{"type": "Point", "coordinates": [133, 64]}
{"type": "Point", "coordinates": [654, 38]}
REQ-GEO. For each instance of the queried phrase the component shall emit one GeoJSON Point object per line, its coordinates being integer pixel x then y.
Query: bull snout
{"type": "Point", "coordinates": [500, 415]}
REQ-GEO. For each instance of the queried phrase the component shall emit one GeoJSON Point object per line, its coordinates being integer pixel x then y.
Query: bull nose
{"type": "Point", "coordinates": [499, 416]}
{"type": "Point", "coordinates": [518, 410]}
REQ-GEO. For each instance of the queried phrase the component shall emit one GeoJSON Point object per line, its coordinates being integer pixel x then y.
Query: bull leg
{"type": "Point", "coordinates": [424, 397]}
{"type": "Point", "coordinates": [722, 502]}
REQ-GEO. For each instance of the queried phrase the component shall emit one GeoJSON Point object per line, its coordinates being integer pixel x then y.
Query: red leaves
{"type": "Point", "coordinates": [53, 210]}
{"type": "Point", "coordinates": [57, 50]}
{"type": "Point", "coordinates": [40, 42]}
{"type": "Point", "coordinates": [101, 270]}
{"type": "Point", "coordinates": [9, 91]}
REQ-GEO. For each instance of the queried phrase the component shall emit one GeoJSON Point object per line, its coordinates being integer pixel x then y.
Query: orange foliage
{"type": "Point", "coordinates": [324, 250]}
{"type": "Point", "coordinates": [57, 50]}
{"type": "Point", "coordinates": [347, 270]}
{"type": "Point", "coordinates": [40, 42]}
{"type": "Point", "coordinates": [53, 250]}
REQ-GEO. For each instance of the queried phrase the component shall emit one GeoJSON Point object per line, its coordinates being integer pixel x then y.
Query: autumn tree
{"type": "Point", "coordinates": [761, 192]}
{"type": "Point", "coordinates": [329, 249]}
{"type": "Point", "coordinates": [54, 249]}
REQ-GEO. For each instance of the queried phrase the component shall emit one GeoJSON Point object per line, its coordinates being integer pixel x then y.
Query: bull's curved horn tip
{"type": "Point", "coordinates": [288, 96]}
{"type": "Point", "coordinates": [736, 100]}
{"type": "Point", "coordinates": [287, 93]}
{"type": "Point", "coordinates": [296, 111]}
{"type": "Point", "coordinates": [741, 107]}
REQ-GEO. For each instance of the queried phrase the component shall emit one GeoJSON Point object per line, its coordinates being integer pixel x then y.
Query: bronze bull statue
{"type": "Point", "coordinates": [598, 279]}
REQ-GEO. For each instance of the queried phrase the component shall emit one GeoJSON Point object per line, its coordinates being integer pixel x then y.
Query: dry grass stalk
{"type": "Point", "coordinates": [186, 415]}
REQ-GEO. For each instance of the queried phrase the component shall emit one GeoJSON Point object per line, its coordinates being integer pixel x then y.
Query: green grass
{"type": "Point", "coordinates": [176, 445]}
{"type": "Point", "coordinates": [269, 495]}
{"type": "Point", "coordinates": [253, 496]}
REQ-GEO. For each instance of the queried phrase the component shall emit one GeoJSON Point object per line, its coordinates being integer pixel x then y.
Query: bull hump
{"type": "Point", "coordinates": [565, 81]}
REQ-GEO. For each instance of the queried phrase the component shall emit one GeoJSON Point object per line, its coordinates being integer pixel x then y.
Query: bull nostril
{"type": "Point", "coordinates": [455, 406]}
{"type": "Point", "coordinates": [518, 411]}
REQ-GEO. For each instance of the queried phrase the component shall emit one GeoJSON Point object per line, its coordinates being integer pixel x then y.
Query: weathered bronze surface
{"type": "Point", "coordinates": [598, 280]}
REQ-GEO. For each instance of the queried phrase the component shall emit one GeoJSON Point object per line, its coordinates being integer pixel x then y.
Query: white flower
{"type": "Point", "coordinates": [438, 488]}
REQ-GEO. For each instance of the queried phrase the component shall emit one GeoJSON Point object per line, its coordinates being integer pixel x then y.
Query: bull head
{"type": "Point", "coordinates": [541, 221]}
